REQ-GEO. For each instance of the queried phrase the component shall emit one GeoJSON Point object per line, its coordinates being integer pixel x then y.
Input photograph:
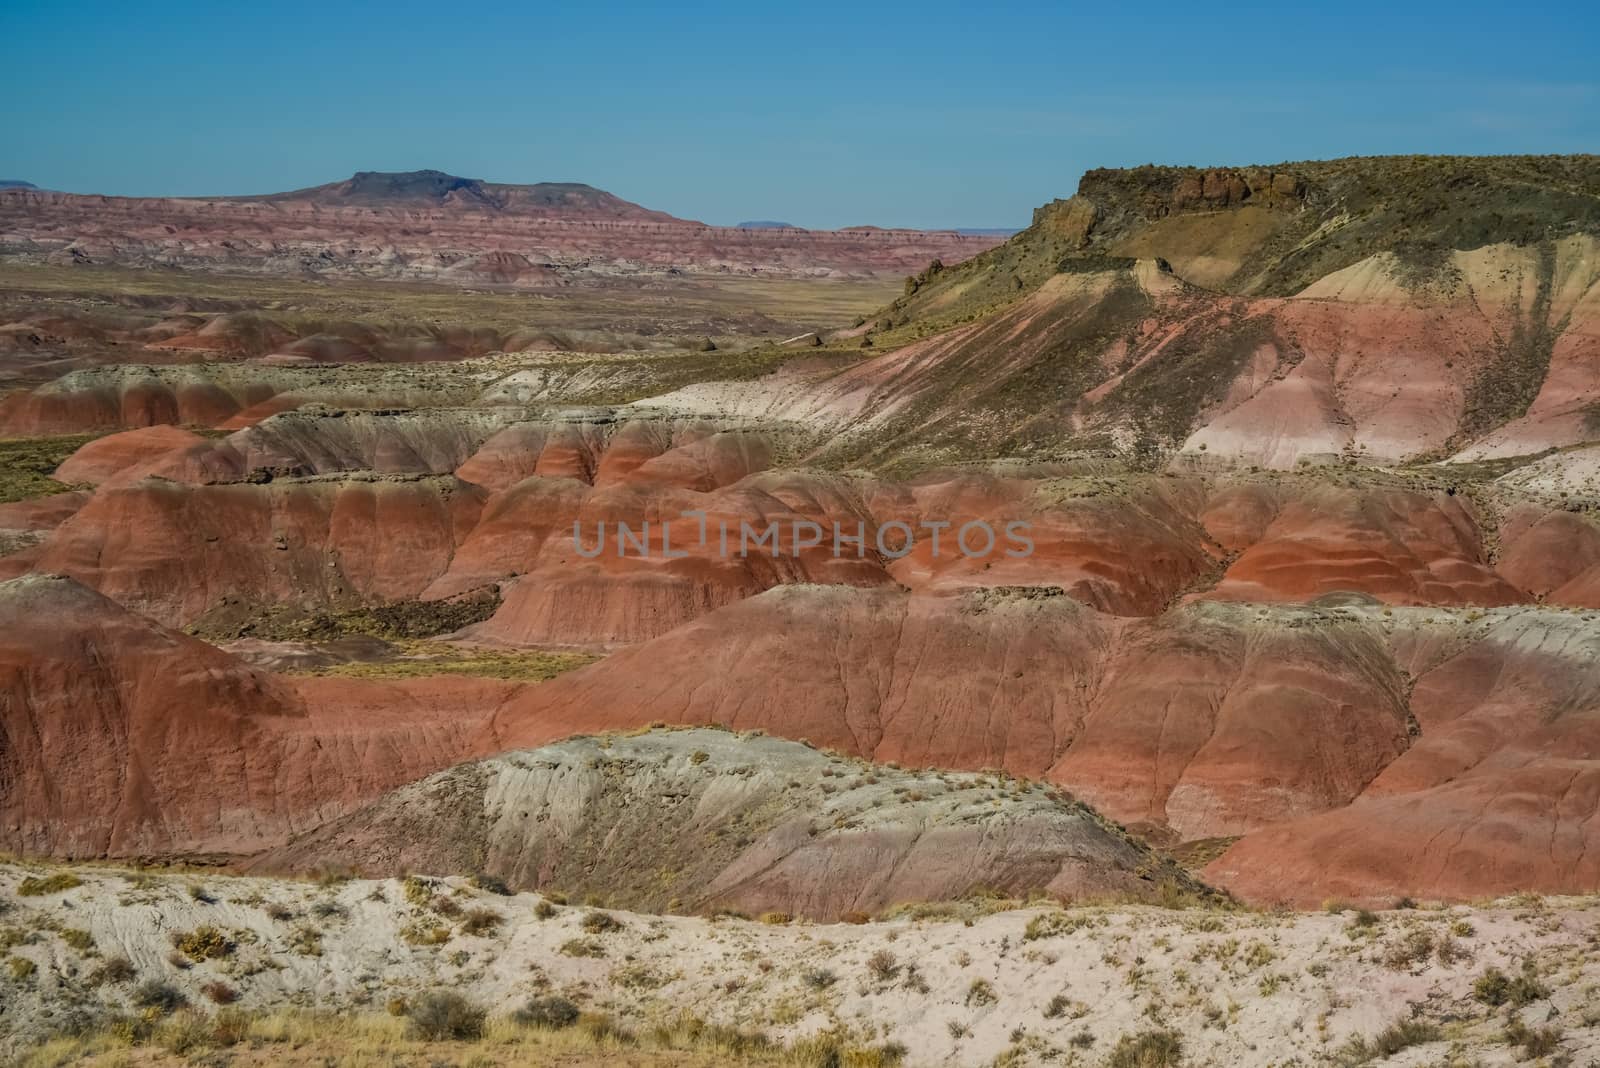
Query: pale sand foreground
{"type": "Point", "coordinates": [1026, 985]}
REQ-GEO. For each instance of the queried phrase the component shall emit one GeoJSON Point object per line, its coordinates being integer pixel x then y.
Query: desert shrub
{"type": "Point", "coordinates": [445, 906]}
{"type": "Point", "coordinates": [481, 922]}
{"type": "Point", "coordinates": [1051, 924]}
{"type": "Point", "coordinates": [230, 1027]}
{"type": "Point", "coordinates": [492, 884]}
{"type": "Point", "coordinates": [185, 1032]}
{"type": "Point", "coordinates": [551, 1013]}
{"type": "Point", "coordinates": [854, 916]}
{"type": "Point", "coordinates": [833, 1048]}
{"type": "Point", "coordinates": [1494, 987]}
{"type": "Point", "coordinates": [818, 978]}
{"type": "Point", "coordinates": [328, 910]}
{"type": "Point", "coordinates": [50, 884]}
{"type": "Point", "coordinates": [112, 970]}
{"type": "Point", "coordinates": [220, 993]}
{"type": "Point", "coordinates": [1414, 947]}
{"type": "Point", "coordinates": [417, 890]}
{"type": "Point", "coordinates": [275, 911]}
{"type": "Point", "coordinates": [306, 941]}
{"type": "Point", "coordinates": [425, 934]}
{"type": "Point", "coordinates": [444, 1015]}
{"type": "Point", "coordinates": [1403, 1035]}
{"type": "Point", "coordinates": [543, 910]}
{"type": "Point", "coordinates": [597, 922]}
{"type": "Point", "coordinates": [582, 947]}
{"type": "Point", "coordinates": [1147, 1049]}
{"type": "Point", "coordinates": [82, 941]}
{"type": "Point", "coordinates": [1056, 1007]}
{"type": "Point", "coordinates": [199, 893]}
{"type": "Point", "coordinates": [328, 878]}
{"type": "Point", "coordinates": [20, 968]}
{"type": "Point", "coordinates": [1397, 1036]}
{"type": "Point", "coordinates": [203, 943]}
{"type": "Point", "coordinates": [776, 919]}
{"type": "Point", "coordinates": [981, 993]}
{"type": "Point", "coordinates": [1449, 951]}
{"type": "Point", "coordinates": [602, 1029]}
{"type": "Point", "coordinates": [883, 966]}
{"type": "Point", "coordinates": [161, 997]}
{"type": "Point", "coordinates": [1535, 1041]}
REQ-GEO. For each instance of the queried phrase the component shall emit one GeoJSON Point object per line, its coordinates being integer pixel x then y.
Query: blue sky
{"type": "Point", "coordinates": [823, 114]}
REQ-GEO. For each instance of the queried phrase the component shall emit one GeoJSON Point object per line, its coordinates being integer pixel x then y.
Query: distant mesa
{"type": "Point", "coordinates": [766, 224]}
{"type": "Point", "coordinates": [14, 183]}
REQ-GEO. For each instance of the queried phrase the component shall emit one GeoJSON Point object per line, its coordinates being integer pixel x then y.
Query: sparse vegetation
{"type": "Point", "coordinates": [112, 970]}
{"type": "Point", "coordinates": [583, 947]}
{"type": "Point", "coordinates": [818, 978]}
{"type": "Point", "coordinates": [220, 993]}
{"type": "Point", "coordinates": [54, 883]}
{"type": "Point", "coordinates": [597, 922]}
{"type": "Point", "coordinates": [1398, 1036]}
{"type": "Point", "coordinates": [157, 996]}
{"type": "Point", "coordinates": [444, 1015]}
{"type": "Point", "coordinates": [552, 1013]}
{"type": "Point", "coordinates": [203, 943]}
{"type": "Point", "coordinates": [1494, 988]}
{"type": "Point", "coordinates": [480, 922]}
{"type": "Point", "coordinates": [1147, 1049]}
{"type": "Point", "coordinates": [883, 966]}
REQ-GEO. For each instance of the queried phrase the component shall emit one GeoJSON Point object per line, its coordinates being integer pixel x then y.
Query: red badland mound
{"type": "Point", "coordinates": [1400, 546]}
{"type": "Point", "coordinates": [173, 551]}
{"type": "Point", "coordinates": [619, 595]}
{"type": "Point", "coordinates": [125, 738]}
{"type": "Point", "coordinates": [228, 396]}
{"type": "Point", "coordinates": [1125, 544]}
{"type": "Point", "coordinates": [1499, 793]}
{"type": "Point", "coordinates": [128, 455]}
{"type": "Point", "coordinates": [125, 398]}
{"type": "Point", "coordinates": [1210, 720]}
{"type": "Point", "coordinates": [1554, 556]}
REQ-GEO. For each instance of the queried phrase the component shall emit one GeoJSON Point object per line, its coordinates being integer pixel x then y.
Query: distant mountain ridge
{"type": "Point", "coordinates": [429, 225]}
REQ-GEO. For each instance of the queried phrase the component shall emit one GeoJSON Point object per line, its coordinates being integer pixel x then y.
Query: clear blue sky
{"type": "Point", "coordinates": [823, 114]}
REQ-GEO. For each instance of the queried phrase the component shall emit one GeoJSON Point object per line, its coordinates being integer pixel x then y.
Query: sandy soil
{"type": "Point", "coordinates": [1036, 984]}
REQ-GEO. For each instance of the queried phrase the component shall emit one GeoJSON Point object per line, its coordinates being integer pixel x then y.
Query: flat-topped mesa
{"type": "Point", "coordinates": [1458, 202]}
{"type": "Point", "coordinates": [439, 190]}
